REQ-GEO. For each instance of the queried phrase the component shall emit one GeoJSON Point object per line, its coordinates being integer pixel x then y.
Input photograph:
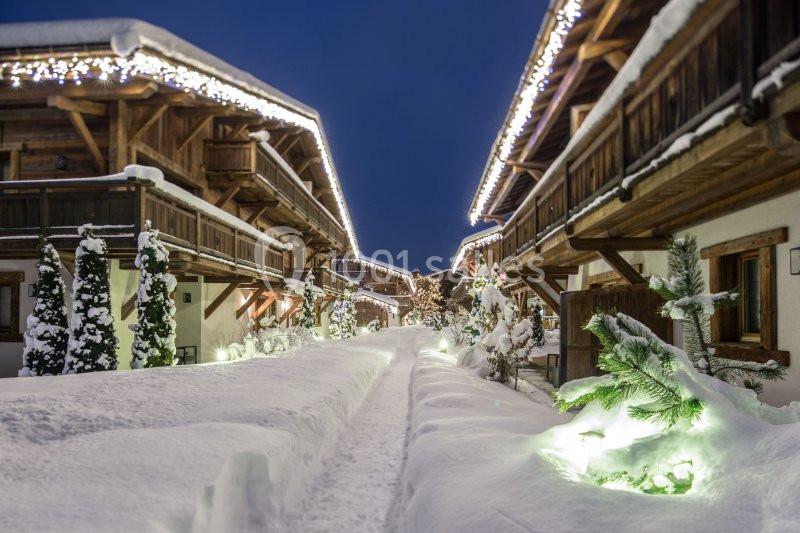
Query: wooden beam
{"type": "Point", "coordinates": [128, 306]}
{"type": "Point", "coordinates": [289, 146]}
{"type": "Point", "coordinates": [633, 243]}
{"type": "Point", "coordinates": [221, 297]}
{"type": "Point", "coordinates": [263, 307]}
{"type": "Point", "coordinates": [84, 107]}
{"type": "Point", "coordinates": [229, 193]}
{"type": "Point", "coordinates": [288, 313]}
{"type": "Point", "coordinates": [118, 136]}
{"type": "Point", "coordinates": [541, 291]}
{"type": "Point", "coordinates": [528, 165]}
{"type": "Point", "coordinates": [744, 244]}
{"type": "Point", "coordinates": [616, 59]}
{"type": "Point", "coordinates": [83, 131]}
{"type": "Point", "coordinates": [591, 50]}
{"type": "Point", "coordinates": [621, 267]}
{"type": "Point", "coordinates": [322, 191]}
{"type": "Point", "coordinates": [607, 20]}
{"type": "Point", "coordinates": [250, 301]}
{"type": "Point", "coordinates": [194, 132]}
{"type": "Point", "coordinates": [306, 163]}
{"type": "Point", "coordinates": [148, 121]}
{"type": "Point", "coordinates": [325, 303]}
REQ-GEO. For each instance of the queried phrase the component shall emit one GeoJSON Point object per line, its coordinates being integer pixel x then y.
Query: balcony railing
{"type": "Point", "coordinates": [120, 208]}
{"type": "Point", "coordinates": [247, 157]}
{"type": "Point", "coordinates": [706, 78]}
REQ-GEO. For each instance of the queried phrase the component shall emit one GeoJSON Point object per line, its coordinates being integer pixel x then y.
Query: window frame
{"type": "Point", "coordinates": [722, 257]}
{"type": "Point", "coordinates": [13, 280]}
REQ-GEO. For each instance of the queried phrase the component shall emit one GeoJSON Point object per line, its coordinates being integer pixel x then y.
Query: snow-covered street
{"type": "Point", "coordinates": [218, 447]}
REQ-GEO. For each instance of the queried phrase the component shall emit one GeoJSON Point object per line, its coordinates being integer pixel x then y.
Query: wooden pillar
{"type": "Point", "coordinates": [567, 226]}
{"type": "Point", "coordinates": [751, 110]}
{"type": "Point", "coordinates": [118, 136]}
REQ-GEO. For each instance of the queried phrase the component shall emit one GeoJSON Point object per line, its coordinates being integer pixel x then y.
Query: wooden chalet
{"type": "Point", "coordinates": [386, 289]}
{"type": "Point", "coordinates": [658, 119]}
{"type": "Point", "coordinates": [117, 122]}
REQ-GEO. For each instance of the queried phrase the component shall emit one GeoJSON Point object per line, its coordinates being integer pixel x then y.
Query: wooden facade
{"type": "Point", "coordinates": [709, 126]}
{"type": "Point", "coordinates": [51, 131]}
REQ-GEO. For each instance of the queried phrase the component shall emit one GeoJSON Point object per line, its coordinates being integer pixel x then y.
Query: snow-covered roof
{"type": "Point", "coordinates": [131, 39]}
{"type": "Point", "coordinates": [476, 240]}
{"type": "Point", "coordinates": [377, 298]}
{"type": "Point", "coordinates": [407, 276]}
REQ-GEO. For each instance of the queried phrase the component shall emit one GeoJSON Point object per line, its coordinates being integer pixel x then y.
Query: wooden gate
{"type": "Point", "coordinates": [580, 348]}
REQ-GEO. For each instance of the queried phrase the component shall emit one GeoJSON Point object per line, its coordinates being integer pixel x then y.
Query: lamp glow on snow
{"type": "Point", "coordinates": [221, 354]}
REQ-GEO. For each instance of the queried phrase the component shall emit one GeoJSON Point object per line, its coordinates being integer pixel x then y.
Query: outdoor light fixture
{"type": "Point", "coordinates": [794, 261]}
{"type": "Point", "coordinates": [187, 297]}
{"type": "Point", "coordinates": [32, 290]}
{"type": "Point", "coordinates": [61, 162]}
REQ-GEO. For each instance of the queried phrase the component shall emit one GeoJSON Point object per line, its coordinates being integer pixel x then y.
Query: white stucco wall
{"type": "Point", "coordinates": [11, 352]}
{"type": "Point", "coordinates": [776, 213]}
{"type": "Point", "coordinates": [771, 214]}
{"type": "Point", "coordinates": [123, 286]}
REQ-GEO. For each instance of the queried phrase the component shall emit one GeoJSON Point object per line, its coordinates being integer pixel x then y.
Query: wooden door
{"type": "Point", "coordinates": [580, 348]}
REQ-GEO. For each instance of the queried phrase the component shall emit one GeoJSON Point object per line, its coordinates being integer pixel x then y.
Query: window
{"type": "Point", "coordinates": [9, 306]}
{"type": "Point", "coordinates": [747, 265]}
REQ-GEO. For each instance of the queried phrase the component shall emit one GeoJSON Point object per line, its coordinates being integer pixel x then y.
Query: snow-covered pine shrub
{"type": "Point", "coordinates": [154, 333]}
{"type": "Point", "coordinates": [93, 341]}
{"type": "Point", "coordinates": [343, 318]}
{"type": "Point", "coordinates": [686, 301]}
{"type": "Point", "coordinates": [47, 330]}
{"type": "Point", "coordinates": [499, 344]}
{"type": "Point", "coordinates": [487, 301]}
{"type": "Point", "coordinates": [309, 299]}
{"type": "Point", "coordinates": [374, 325]}
{"type": "Point", "coordinates": [538, 329]}
{"type": "Point", "coordinates": [639, 366]}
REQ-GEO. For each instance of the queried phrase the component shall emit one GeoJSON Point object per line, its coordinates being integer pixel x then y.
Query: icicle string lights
{"type": "Point", "coordinates": [535, 83]}
{"type": "Point", "coordinates": [477, 243]}
{"type": "Point", "coordinates": [364, 297]}
{"type": "Point", "coordinates": [107, 68]}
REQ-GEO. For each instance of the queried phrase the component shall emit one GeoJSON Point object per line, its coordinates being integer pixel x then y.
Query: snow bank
{"type": "Point", "coordinates": [478, 461]}
{"type": "Point", "coordinates": [216, 447]}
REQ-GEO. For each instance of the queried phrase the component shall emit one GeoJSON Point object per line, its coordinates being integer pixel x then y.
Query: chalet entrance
{"type": "Point", "coordinates": [579, 347]}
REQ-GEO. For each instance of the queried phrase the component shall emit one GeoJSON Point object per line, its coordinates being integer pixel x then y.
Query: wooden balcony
{"type": "Point", "coordinates": [119, 208]}
{"type": "Point", "coordinates": [709, 67]}
{"type": "Point", "coordinates": [248, 158]}
{"type": "Point", "coordinates": [330, 281]}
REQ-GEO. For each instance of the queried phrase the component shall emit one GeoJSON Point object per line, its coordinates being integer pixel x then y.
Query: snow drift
{"type": "Point", "coordinates": [481, 458]}
{"type": "Point", "coordinates": [217, 447]}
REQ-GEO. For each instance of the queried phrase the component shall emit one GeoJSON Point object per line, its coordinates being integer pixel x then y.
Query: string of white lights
{"type": "Point", "coordinates": [107, 68]}
{"type": "Point", "coordinates": [477, 243]}
{"type": "Point", "coordinates": [362, 296]}
{"type": "Point", "coordinates": [532, 87]}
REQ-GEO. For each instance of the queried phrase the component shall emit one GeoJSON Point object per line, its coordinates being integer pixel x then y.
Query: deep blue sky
{"type": "Point", "coordinates": [411, 92]}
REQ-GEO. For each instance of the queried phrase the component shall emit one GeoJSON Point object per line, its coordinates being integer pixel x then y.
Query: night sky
{"type": "Point", "coordinates": [412, 93]}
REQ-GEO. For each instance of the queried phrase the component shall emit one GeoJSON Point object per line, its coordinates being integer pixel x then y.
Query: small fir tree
{"type": "Point", "coordinates": [687, 302]}
{"type": "Point", "coordinates": [343, 319]}
{"type": "Point", "coordinates": [641, 368]}
{"type": "Point", "coordinates": [538, 329]}
{"type": "Point", "coordinates": [500, 345]}
{"type": "Point", "coordinates": [487, 301]}
{"type": "Point", "coordinates": [309, 300]}
{"type": "Point", "coordinates": [93, 341]}
{"type": "Point", "coordinates": [154, 333]}
{"type": "Point", "coordinates": [426, 302]}
{"type": "Point", "coordinates": [47, 330]}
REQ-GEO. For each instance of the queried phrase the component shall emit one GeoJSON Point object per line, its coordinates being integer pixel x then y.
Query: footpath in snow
{"type": "Point", "coordinates": [221, 447]}
{"type": "Point", "coordinates": [359, 489]}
